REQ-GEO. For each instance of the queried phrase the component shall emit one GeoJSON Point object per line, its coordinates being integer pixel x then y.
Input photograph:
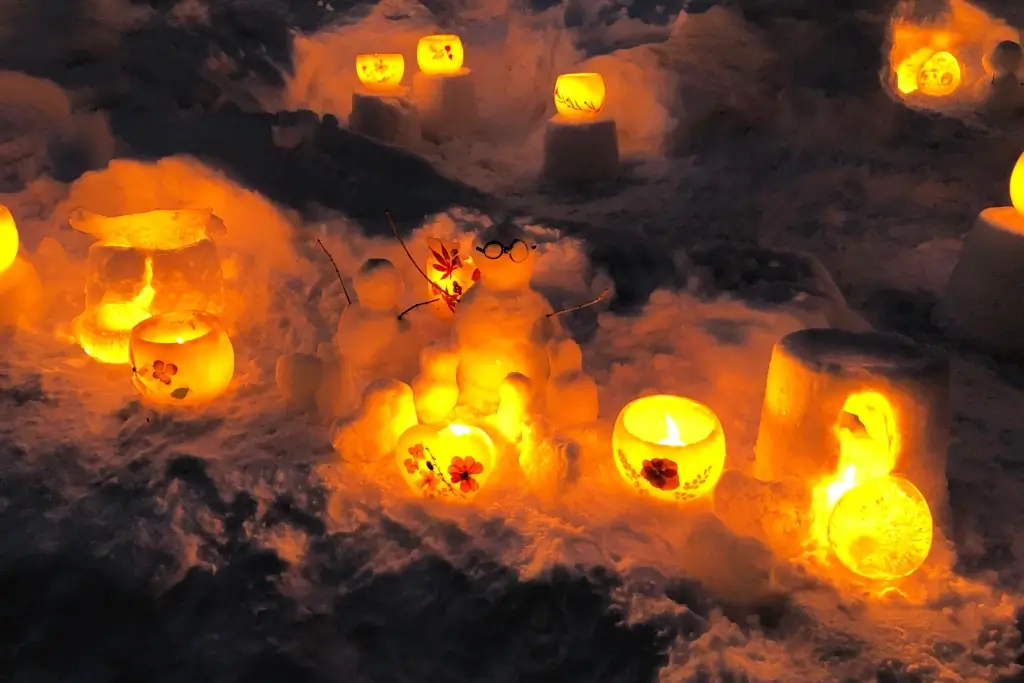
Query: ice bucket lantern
{"type": "Point", "coordinates": [143, 265]}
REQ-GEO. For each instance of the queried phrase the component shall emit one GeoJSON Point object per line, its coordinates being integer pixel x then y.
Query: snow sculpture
{"type": "Point", "coordinates": [369, 328]}
{"type": "Point", "coordinates": [436, 388]}
{"type": "Point", "coordinates": [502, 325]}
{"type": "Point", "coordinates": [571, 394]}
{"type": "Point", "coordinates": [371, 433]}
{"type": "Point", "coordinates": [842, 409]}
{"type": "Point", "coordinates": [982, 299]}
{"type": "Point", "coordinates": [1006, 92]}
{"type": "Point", "coordinates": [443, 88]}
{"type": "Point", "coordinates": [550, 463]}
{"type": "Point", "coordinates": [580, 144]}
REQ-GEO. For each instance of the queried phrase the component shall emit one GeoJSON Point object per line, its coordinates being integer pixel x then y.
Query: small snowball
{"type": "Point", "coordinates": [513, 405]}
{"type": "Point", "coordinates": [1007, 57]}
{"type": "Point", "coordinates": [387, 411]}
{"type": "Point", "coordinates": [378, 285]}
{"type": "Point", "coordinates": [572, 399]}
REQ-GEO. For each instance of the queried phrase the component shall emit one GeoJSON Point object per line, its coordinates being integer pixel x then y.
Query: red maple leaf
{"type": "Point", "coordinates": [446, 262]}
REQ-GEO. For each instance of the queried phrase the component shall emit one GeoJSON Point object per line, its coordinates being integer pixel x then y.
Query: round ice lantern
{"type": "Point", "coordinates": [181, 358]}
{"type": "Point", "coordinates": [440, 54]}
{"type": "Point", "coordinates": [8, 239]}
{"type": "Point", "coordinates": [882, 529]}
{"type": "Point", "coordinates": [669, 447]}
{"type": "Point", "coordinates": [380, 72]}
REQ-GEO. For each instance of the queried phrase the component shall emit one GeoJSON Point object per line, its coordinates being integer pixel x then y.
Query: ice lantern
{"type": "Point", "coordinates": [982, 299]}
{"type": "Point", "coordinates": [380, 72]}
{"type": "Point", "coordinates": [443, 89]}
{"type": "Point", "coordinates": [669, 447]}
{"type": "Point", "coordinates": [181, 358]}
{"type": "Point", "coordinates": [142, 265]}
{"type": "Point", "coordinates": [381, 109]}
{"type": "Point", "coordinates": [580, 143]}
{"type": "Point", "coordinates": [9, 241]}
{"type": "Point", "coordinates": [843, 410]}
{"type": "Point", "coordinates": [452, 463]}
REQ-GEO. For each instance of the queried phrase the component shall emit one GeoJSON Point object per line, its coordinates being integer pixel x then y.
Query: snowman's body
{"type": "Point", "coordinates": [499, 332]}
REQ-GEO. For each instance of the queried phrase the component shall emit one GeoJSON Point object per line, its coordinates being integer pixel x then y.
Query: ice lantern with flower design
{"type": "Point", "coordinates": [451, 273]}
{"type": "Point", "coordinates": [669, 447]}
{"type": "Point", "coordinates": [181, 358]}
{"type": "Point", "coordinates": [452, 463]}
{"type": "Point", "coordinates": [380, 72]}
{"type": "Point", "coordinates": [143, 265]}
{"type": "Point", "coordinates": [581, 142]}
{"type": "Point", "coordinates": [982, 299]}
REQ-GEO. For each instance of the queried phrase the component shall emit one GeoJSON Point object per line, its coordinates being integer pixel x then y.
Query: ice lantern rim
{"type": "Point", "coordinates": [691, 436]}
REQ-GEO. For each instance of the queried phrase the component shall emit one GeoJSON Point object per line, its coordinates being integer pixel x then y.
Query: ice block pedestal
{"type": "Point", "coordinates": [386, 116]}
{"type": "Point", "coordinates": [446, 102]}
{"type": "Point", "coordinates": [580, 151]}
{"type": "Point", "coordinates": [982, 302]}
{"type": "Point", "coordinates": [581, 143]}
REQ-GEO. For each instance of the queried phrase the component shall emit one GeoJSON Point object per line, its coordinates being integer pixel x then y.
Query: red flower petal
{"type": "Point", "coordinates": [158, 366]}
{"type": "Point", "coordinates": [171, 369]}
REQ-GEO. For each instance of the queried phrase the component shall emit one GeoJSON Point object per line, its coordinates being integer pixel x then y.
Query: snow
{"type": "Point", "coordinates": [234, 542]}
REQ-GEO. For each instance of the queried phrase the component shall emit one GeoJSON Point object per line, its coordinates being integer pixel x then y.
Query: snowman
{"type": "Point", "coordinates": [1005, 93]}
{"type": "Point", "coordinates": [369, 330]}
{"type": "Point", "coordinates": [502, 326]}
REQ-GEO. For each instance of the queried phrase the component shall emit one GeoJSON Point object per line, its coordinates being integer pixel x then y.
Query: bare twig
{"type": "Point", "coordinates": [415, 306]}
{"type": "Point", "coordinates": [394, 229]}
{"type": "Point", "coordinates": [340, 278]}
{"type": "Point", "coordinates": [600, 297]}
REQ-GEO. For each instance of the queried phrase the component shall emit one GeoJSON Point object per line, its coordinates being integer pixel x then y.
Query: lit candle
{"type": "Point", "coordinates": [669, 447]}
{"type": "Point", "coordinates": [181, 358]}
{"type": "Point", "coordinates": [8, 239]}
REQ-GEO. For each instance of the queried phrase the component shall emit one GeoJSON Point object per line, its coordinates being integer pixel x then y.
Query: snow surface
{"type": "Point", "coordinates": [234, 544]}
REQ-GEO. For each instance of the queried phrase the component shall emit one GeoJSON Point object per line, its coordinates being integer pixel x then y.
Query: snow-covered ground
{"type": "Point", "coordinates": [235, 544]}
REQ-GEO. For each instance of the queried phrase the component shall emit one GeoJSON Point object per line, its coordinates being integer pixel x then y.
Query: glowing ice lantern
{"type": "Point", "coordinates": [380, 72]}
{"type": "Point", "coordinates": [452, 463]}
{"type": "Point", "coordinates": [181, 358]}
{"type": "Point", "coordinates": [8, 239]}
{"type": "Point", "coordinates": [145, 264]}
{"type": "Point", "coordinates": [669, 447]}
{"type": "Point", "coordinates": [939, 76]}
{"type": "Point", "coordinates": [581, 144]}
{"type": "Point", "coordinates": [1017, 186]}
{"type": "Point", "coordinates": [440, 55]}
{"type": "Point", "coordinates": [451, 274]}
{"type": "Point", "coordinates": [882, 529]}
{"type": "Point", "coordinates": [982, 301]}
{"type": "Point", "coordinates": [579, 97]}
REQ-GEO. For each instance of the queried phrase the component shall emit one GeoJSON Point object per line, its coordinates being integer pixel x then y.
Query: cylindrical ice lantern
{"type": "Point", "coordinates": [841, 408]}
{"type": "Point", "coordinates": [982, 301]}
{"type": "Point", "coordinates": [580, 143]}
{"type": "Point", "coordinates": [181, 358]}
{"type": "Point", "coordinates": [669, 447]}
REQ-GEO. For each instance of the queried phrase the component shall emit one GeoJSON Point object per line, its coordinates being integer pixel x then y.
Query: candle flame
{"type": "Point", "coordinates": [672, 434]}
{"type": "Point", "coordinates": [459, 430]}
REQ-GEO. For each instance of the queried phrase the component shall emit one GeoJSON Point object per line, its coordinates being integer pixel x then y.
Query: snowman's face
{"type": "Point", "coordinates": [505, 258]}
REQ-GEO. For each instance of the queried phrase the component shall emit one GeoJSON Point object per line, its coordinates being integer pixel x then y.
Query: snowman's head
{"type": "Point", "coordinates": [504, 254]}
{"type": "Point", "coordinates": [378, 285]}
{"type": "Point", "coordinates": [1007, 57]}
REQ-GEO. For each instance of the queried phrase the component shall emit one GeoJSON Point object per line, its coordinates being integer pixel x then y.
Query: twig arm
{"type": "Point", "coordinates": [336, 270]}
{"type": "Point", "coordinates": [599, 298]}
